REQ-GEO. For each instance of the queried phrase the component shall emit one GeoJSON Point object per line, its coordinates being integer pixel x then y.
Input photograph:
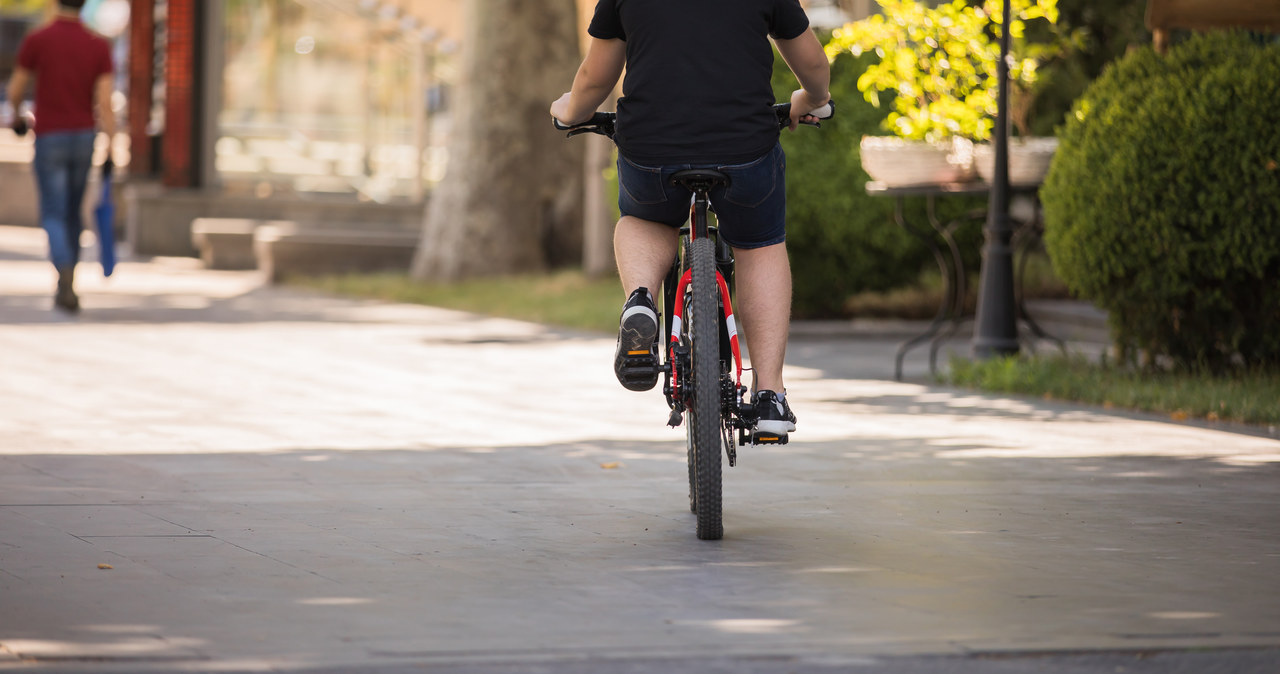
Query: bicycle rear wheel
{"type": "Point", "coordinates": [704, 385]}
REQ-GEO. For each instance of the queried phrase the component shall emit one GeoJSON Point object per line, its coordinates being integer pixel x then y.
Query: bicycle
{"type": "Point", "coordinates": [702, 374]}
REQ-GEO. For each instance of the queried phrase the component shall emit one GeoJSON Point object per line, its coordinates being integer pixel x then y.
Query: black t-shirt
{"type": "Point", "coordinates": [697, 88]}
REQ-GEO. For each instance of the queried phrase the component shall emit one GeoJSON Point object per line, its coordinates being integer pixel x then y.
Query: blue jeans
{"type": "Point", "coordinates": [62, 163]}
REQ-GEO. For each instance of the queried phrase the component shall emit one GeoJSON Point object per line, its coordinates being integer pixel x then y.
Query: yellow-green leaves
{"type": "Point", "coordinates": [940, 63]}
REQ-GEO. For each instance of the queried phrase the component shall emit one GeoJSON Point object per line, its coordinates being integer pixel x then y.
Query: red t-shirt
{"type": "Point", "coordinates": [67, 60]}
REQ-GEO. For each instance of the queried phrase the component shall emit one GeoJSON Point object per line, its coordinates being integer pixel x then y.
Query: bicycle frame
{"type": "Point", "coordinates": [675, 287]}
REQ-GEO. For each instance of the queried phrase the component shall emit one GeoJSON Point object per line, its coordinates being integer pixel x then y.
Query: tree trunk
{"type": "Point", "coordinates": [597, 216]}
{"type": "Point", "coordinates": [511, 199]}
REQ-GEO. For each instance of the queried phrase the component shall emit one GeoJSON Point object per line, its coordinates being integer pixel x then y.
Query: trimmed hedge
{"type": "Point", "coordinates": [1163, 203]}
{"type": "Point", "coordinates": [842, 241]}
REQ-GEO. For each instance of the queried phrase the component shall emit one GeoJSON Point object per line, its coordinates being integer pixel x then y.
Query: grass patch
{"type": "Point", "coordinates": [567, 299]}
{"type": "Point", "coordinates": [921, 300]}
{"type": "Point", "coordinates": [918, 302]}
{"type": "Point", "coordinates": [1248, 398]}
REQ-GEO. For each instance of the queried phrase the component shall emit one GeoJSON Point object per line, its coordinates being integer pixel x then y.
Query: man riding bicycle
{"type": "Point", "coordinates": [697, 94]}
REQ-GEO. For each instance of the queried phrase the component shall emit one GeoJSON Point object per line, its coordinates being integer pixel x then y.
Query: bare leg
{"type": "Point", "coordinates": [644, 251]}
{"type": "Point", "coordinates": [764, 305]}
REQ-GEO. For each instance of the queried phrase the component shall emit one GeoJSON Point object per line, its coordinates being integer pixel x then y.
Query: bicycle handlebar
{"type": "Point", "coordinates": [605, 123]}
{"type": "Point", "coordinates": [783, 111]}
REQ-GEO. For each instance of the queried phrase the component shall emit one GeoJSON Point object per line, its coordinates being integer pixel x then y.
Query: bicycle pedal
{"type": "Point", "coordinates": [675, 419]}
{"type": "Point", "coordinates": [641, 360]}
{"type": "Point", "coordinates": [769, 438]}
{"type": "Point", "coordinates": [637, 372]}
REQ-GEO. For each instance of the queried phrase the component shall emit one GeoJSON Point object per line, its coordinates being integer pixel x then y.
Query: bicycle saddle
{"type": "Point", "coordinates": [693, 179]}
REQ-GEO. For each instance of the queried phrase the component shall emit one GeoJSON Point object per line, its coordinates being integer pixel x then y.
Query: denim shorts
{"type": "Point", "coordinates": [751, 211]}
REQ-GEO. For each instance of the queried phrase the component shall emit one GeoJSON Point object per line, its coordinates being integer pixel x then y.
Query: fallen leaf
{"type": "Point", "coordinates": [611, 465]}
{"type": "Point", "coordinates": [105, 567]}
{"type": "Point", "coordinates": [1178, 416]}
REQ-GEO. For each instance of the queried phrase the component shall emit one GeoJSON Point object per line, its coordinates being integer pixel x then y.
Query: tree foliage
{"type": "Point", "coordinates": [1107, 29]}
{"type": "Point", "coordinates": [939, 64]}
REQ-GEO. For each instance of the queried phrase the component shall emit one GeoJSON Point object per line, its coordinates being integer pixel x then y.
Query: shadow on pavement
{"type": "Point", "coordinates": [581, 557]}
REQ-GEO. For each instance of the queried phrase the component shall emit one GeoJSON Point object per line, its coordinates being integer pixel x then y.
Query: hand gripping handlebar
{"type": "Point", "coordinates": [605, 123]}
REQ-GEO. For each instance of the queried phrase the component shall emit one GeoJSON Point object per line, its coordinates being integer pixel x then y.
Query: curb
{"type": "Point", "coordinates": [1071, 320]}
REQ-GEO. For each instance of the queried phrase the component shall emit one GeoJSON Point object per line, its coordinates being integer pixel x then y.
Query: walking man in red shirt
{"type": "Point", "coordinates": [72, 70]}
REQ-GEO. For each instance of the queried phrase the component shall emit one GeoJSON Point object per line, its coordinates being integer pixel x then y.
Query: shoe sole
{"type": "Point", "coordinates": [636, 360]}
{"type": "Point", "coordinates": [781, 426]}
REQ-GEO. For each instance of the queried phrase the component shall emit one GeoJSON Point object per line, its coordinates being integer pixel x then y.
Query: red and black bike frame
{"type": "Point", "coordinates": [675, 290]}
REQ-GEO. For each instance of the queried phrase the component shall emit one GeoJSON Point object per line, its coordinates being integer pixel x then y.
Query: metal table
{"type": "Point", "coordinates": [951, 313]}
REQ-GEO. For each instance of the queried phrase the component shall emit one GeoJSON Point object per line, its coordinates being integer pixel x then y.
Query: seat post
{"type": "Point", "coordinates": [700, 182]}
{"type": "Point", "coordinates": [701, 204]}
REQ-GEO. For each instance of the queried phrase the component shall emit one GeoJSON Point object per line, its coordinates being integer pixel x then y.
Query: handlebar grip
{"type": "Point", "coordinates": [600, 122]}
{"type": "Point", "coordinates": [783, 112]}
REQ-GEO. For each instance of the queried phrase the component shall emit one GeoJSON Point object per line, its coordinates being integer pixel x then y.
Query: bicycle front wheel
{"type": "Point", "coordinates": [704, 411]}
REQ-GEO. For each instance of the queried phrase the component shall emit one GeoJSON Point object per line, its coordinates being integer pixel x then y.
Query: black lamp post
{"type": "Point", "coordinates": [996, 325]}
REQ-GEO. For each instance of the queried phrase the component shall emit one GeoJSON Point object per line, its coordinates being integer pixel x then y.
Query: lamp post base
{"type": "Point", "coordinates": [985, 348]}
{"type": "Point", "coordinates": [996, 325]}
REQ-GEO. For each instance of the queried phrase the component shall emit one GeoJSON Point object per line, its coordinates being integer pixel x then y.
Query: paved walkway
{"type": "Point", "coordinates": [201, 473]}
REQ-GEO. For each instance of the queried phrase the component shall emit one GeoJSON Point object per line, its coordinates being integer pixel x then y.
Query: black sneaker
{"type": "Point", "coordinates": [774, 420]}
{"type": "Point", "coordinates": [636, 360]}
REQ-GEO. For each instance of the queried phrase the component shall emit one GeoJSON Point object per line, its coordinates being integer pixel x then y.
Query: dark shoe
{"type": "Point", "coordinates": [774, 419]}
{"type": "Point", "coordinates": [66, 298]}
{"type": "Point", "coordinates": [636, 359]}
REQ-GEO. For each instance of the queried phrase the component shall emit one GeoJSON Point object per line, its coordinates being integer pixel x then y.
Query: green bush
{"type": "Point", "coordinates": [842, 241]}
{"type": "Point", "coordinates": [1163, 203]}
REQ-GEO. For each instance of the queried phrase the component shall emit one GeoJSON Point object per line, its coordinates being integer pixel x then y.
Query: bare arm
{"type": "Point", "coordinates": [17, 89]}
{"type": "Point", "coordinates": [102, 91]}
{"type": "Point", "coordinates": [596, 78]}
{"type": "Point", "coordinates": [805, 57]}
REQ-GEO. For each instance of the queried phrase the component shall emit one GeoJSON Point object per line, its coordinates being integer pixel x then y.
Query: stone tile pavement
{"type": "Point", "coordinates": [204, 473]}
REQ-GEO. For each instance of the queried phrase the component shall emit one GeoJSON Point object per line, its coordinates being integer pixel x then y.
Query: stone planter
{"type": "Point", "coordinates": [1029, 160]}
{"type": "Point", "coordinates": [897, 162]}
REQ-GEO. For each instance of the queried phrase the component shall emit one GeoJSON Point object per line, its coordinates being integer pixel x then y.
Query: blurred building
{"type": "Point", "coordinates": [284, 109]}
{"type": "Point", "coordinates": [305, 96]}
{"type": "Point", "coordinates": [290, 109]}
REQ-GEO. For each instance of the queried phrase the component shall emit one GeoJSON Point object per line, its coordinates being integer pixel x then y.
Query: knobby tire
{"type": "Point", "coordinates": [704, 412]}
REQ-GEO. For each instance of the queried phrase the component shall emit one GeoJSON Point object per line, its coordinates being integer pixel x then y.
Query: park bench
{"type": "Point", "coordinates": [283, 249]}
{"type": "Point", "coordinates": [227, 243]}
